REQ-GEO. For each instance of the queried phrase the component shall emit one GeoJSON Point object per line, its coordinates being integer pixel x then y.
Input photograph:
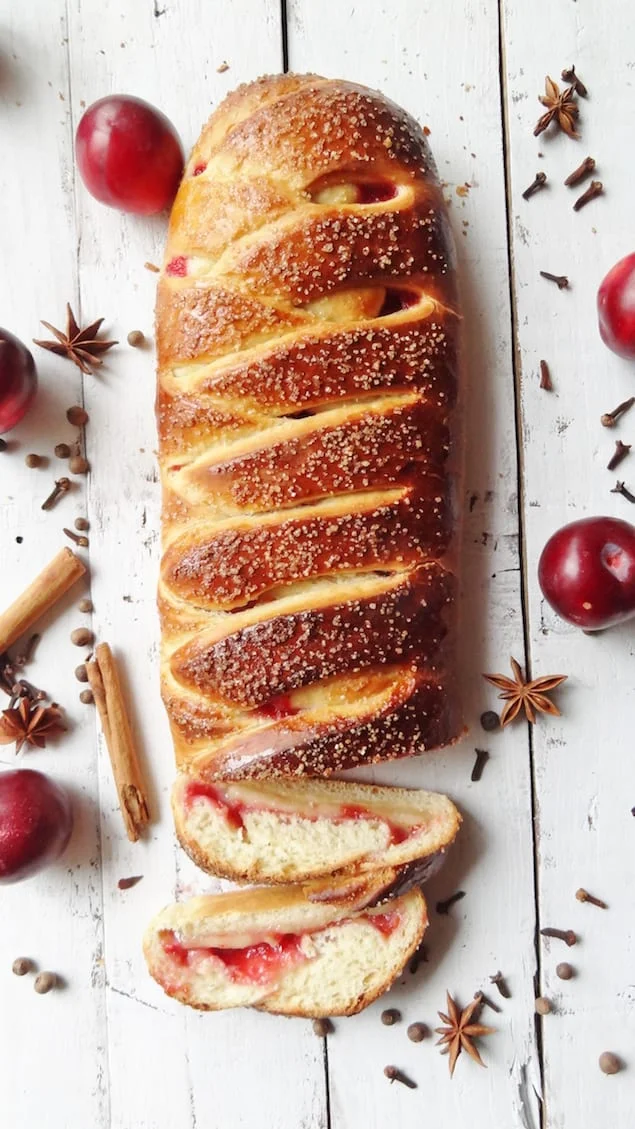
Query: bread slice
{"type": "Point", "coordinates": [325, 948]}
{"type": "Point", "coordinates": [281, 830]}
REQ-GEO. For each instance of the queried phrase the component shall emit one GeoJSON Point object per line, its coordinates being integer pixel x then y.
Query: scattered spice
{"type": "Point", "coordinates": [33, 461]}
{"type": "Point", "coordinates": [3, 444]}
{"type": "Point", "coordinates": [482, 757]}
{"type": "Point", "coordinates": [542, 1005]}
{"type": "Point", "coordinates": [78, 465]}
{"type": "Point", "coordinates": [81, 346]}
{"type": "Point", "coordinates": [569, 75]}
{"type": "Point", "coordinates": [595, 188]}
{"type": "Point", "coordinates": [581, 173]}
{"type": "Point", "coordinates": [609, 419]}
{"type": "Point", "coordinates": [29, 650]}
{"type": "Point", "coordinates": [545, 377]}
{"type": "Point", "coordinates": [135, 338]}
{"type": "Point", "coordinates": [621, 451]}
{"type": "Point", "coordinates": [85, 605]}
{"type": "Point", "coordinates": [561, 108]}
{"type": "Point", "coordinates": [564, 971]}
{"type": "Point", "coordinates": [322, 1027]}
{"type": "Point", "coordinates": [444, 906]}
{"type": "Point", "coordinates": [62, 486]}
{"type": "Point", "coordinates": [21, 966]}
{"type": "Point", "coordinates": [128, 883]}
{"type": "Point", "coordinates": [223, 67]}
{"type": "Point", "coordinates": [62, 451]}
{"type": "Point", "coordinates": [81, 673]}
{"type": "Point", "coordinates": [77, 415]}
{"type": "Point", "coordinates": [620, 488]}
{"type": "Point", "coordinates": [490, 721]}
{"type": "Point", "coordinates": [519, 693]}
{"type": "Point", "coordinates": [77, 538]}
{"type": "Point", "coordinates": [499, 980]}
{"type": "Point", "coordinates": [153, 267]}
{"type": "Point", "coordinates": [395, 1075]}
{"type": "Point", "coordinates": [459, 1031]}
{"type": "Point", "coordinates": [82, 637]}
{"type": "Point", "coordinates": [420, 956]}
{"type": "Point", "coordinates": [584, 896]}
{"type": "Point", "coordinates": [417, 1032]}
{"type": "Point", "coordinates": [87, 697]}
{"type": "Point", "coordinates": [29, 724]}
{"type": "Point", "coordinates": [566, 935]}
{"type": "Point", "coordinates": [609, 1063]}
{"type": "Point", "coordinates": [538, 182]}
{"type": "Point", "coordinates": [561, 280]}
{"type": "Point", "coordinates": [44, 982]}
{"type": "Point", "coordinates": [390, 1016]}
{"type": "Point", "coordinates": [486, 1002]}
{"type": "Point", "coordinates": [81, 523]}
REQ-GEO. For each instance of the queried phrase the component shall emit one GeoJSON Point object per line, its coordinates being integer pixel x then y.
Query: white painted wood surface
{"type": "Point", "coordinates": [110, 1052]}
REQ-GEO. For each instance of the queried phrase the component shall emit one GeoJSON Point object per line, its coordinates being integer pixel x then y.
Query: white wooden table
{"type": "Point", "coordinates": [553, 809]}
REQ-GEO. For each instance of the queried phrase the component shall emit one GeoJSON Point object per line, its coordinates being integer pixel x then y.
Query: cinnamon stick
{"type": "Point", "coordinates": [43, 592]}
{"type": "Point", "coordinates": [103, 677]}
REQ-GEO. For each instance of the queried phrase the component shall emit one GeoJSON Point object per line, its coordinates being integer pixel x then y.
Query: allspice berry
{"type": "Point", "coordinates": [82, 637]}
{"type": "Point", "coordinates": [564, 970]}
{"type": "Point", "coordinates": [44, 981]}
{"type": "Point", "coordinates": [490, 721]}
{"type": "Point", "coordinates": [85, 605]}
{"type": "Point", "coordinates": [390, 1016]}
{"type": "Point", "coordinates": [609, 1063]}
{"type": "Point", "coordinates": [81, 524]}
{"type": "Point", "coordinates": [322, 1027]}
{"type": "Point", "coordinates": [543, 1005]}
{"type": "Point", "coordinates": [86, 697]}
{"type": "Point", "coordinates": [63, 451]}
{"type": "Point", "coordinates": [77, 415]}
{"type": "Point", "coordinates": [21, 966]}
{"type": "Point", "coordinates": [417, 1032]}
{"type": "Point", "coordinates": [33, 460]}
{"type": "Point", "coordinates": [135, 338]}
{"type": "Point", "coordinates": [78, 464]}
{"type": "Point", "coordinates": [81, 674]}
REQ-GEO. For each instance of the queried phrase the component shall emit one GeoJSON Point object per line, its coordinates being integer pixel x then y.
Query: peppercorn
{"type": "Point", "coordinates": [62, 451]}
{"type": "Point", "coordinates": [609, 1063]}
{"type": "Point", "coordinates": [85, 605]}
{"type": "Point", "coordinates": [490, 721]}
{"type": "Point", "coordinates": [44, 981]}
{"type": "Point", "coordinates": [81, 524]}
{"type": "Point", "coordinates": [86, 697]}
{"type": "Point", "coordinates": [322, 1027]}
{"type": "Point", "coordinates": [21, 966]}
{"type": "Point", "coordinates": [390, 1016]}
{"type": "Point", "coordinates": [78, 464]}
{"type": "Point", "coordinates": [33, 460]}
{"type": "Point", "coordinates": [417, 1032]}
{"type": "Point", "coordinates": [135, 338]}
{"type": "Point", "coordinates": [77, 416]}
{"type": "Point", "coordinates": [564, 970]}
{"type": "Point", "coordinates": [82, 637]}
{"type": "Point", "coordinates": [543, 1005]}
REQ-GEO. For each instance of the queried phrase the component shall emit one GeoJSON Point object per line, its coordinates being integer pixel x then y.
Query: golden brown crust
{"type": "Point", "coordinates": [307, 340]}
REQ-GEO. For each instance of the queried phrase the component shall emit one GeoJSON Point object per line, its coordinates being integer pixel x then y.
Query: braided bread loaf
{"type": "Point", "coordinates": [307, 349]}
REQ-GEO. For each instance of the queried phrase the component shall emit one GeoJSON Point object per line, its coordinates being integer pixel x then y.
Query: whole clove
{"type": "Point", "coordinates": [482, 757]}
{"type": "Point", "coordinates": [78, 538]}
{"type": "Point", "coordinates": [595, 188]}
{"type": "Point", "coordinates": [569, 75]}
{"type": "Point", "coordinates": [581, 173]}
{"type": "Point", "coordinates": [395, 1075]}
{"type": "Point", "coordinates": [545, 377]}
{"type": "Point", "coordinates": [537, 183]}
{"type": "Point", "coordinates": [620, 488]}
{"type": "Point", "coordinates": [621, 451]}
{"type": "Point", "coordinates": [583, 895]}
{"type": "Point", "coordinates": [62, 486]}
{"type": "Point", "coordinates": [444, 906]}
{"type": "Point", "coordinates": [560, 280]}
{"type": "Point", "coordinates": [499, 980]}
{"type": "Point", "coordinates": [566, 935]}
{"type": "Point", "coordinates": [609, 419]}
{"type": "Point", "coordinates": [485, 1001]}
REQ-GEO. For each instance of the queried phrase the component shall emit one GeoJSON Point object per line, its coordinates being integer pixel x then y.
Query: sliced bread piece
{"type": "Point", "coordinates": [281, 830]}
{"type": "Point", "coordinates": [325, 948]}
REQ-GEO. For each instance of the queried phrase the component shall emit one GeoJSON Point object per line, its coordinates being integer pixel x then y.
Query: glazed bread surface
{"type": "Point", "coordinates": [307, 337]}
{"type": "Point", "coordinates": [283, 830]}
{"type": "Point", "coordinates": [296, 950]}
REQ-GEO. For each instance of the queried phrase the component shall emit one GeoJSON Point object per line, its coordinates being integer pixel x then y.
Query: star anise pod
{"type": "Point", "coordinates": [561, 107]}
{"type": "Point", "coordinates": [519, 693]}
{"type": "Point", "coordinates": [82, 346]}
{"type": "Point", "coordinates": [459, 1031]}
{"type": "Point", "coordinates": [30, 723]}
